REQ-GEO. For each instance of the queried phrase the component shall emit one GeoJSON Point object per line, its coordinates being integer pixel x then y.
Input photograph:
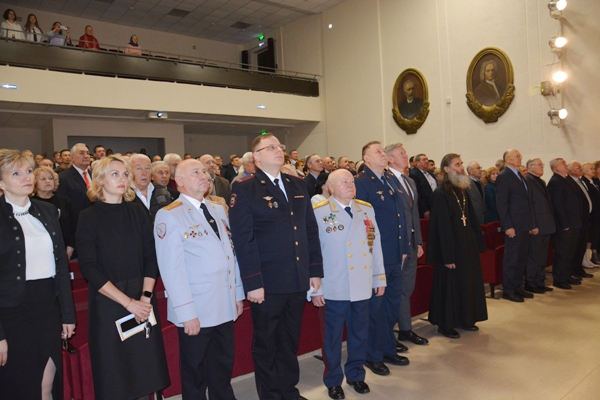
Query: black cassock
{"type": "Point", "coordinates": [458, 295]}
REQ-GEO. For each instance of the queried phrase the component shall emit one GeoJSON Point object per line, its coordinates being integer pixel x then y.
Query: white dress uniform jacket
{"type": "Point", "coordinates": [352, 263]}
{"type": "Point", "coordinates": [199, 270]}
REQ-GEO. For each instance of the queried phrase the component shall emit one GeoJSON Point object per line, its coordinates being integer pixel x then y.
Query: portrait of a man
{"type": "Point", "coordinates": [411, 106]}
{"type": "Point", "coordinates": [490, 90]}
{"type": "Point", "coordinates": [410, 100]}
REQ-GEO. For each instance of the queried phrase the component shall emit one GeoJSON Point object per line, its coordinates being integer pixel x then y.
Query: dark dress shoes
{"type": "Point", "coordinates": [449, 333]}
{"type": "Point", "coordinates": [534, 289]}
{"type": "Point", "coordinates": [524, 294]}
{"type": "Point", "coordinates": [396, 360]}
{"type": "Point", "coordinates": [562, 285]}
{"type": "Point", "coordinates": [547, 289]}
{"type": "Point", "coordinates": [573, 281]}
{"type": "Point", "coordinates": [359, 386]}
{"type": "Point", "coordinates": [471, 328]}
{"type": "Point", "coordinates": [302, 398]}
{"type": "Point", "coordinates": [336, 392]}
{"type": "Point", "coordinates": [400, 348]}
{"type": "Point", "coordinates": [585, 275]}
{"type": "Point", "coordinates": [378, 368]}
{"type": "Point", "coordinates": [412, 337]}
{"type": "Point", "coordinates": [512, 297]}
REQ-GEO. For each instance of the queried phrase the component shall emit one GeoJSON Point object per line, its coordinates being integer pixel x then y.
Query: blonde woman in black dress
{"type": "Point", "coordinates": [117, 256]}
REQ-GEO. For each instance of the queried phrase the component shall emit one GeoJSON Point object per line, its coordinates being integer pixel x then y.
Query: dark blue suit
{"type": "Point", "coordinates": [277, 246]}
{"type": "Point", "coordinates": [72, 186]}
{"type": "Point", "coordinates": [386, 200]}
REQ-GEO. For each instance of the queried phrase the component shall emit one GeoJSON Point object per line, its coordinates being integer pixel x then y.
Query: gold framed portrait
{"type": "Point", "coordinates": [411, 100]}
{"type": "Point", "coordinates": [490, 84]}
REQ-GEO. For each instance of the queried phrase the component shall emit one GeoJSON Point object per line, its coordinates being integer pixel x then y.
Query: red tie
{"type": "Point", "coordinates": [87, 181]}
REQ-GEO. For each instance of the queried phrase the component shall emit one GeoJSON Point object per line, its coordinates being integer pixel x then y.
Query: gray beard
{"type": "Point", "coordinates": [461, 181]}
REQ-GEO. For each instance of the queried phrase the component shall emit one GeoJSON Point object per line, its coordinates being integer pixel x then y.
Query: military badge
{"type": "Point", "coordinates": [341, 227]}
{"type": "Point", "coordinates": [328, 230]}
{"type": "Point", "coordinates": [381, 194]}
{"type": "Point", "coordinates": [161, 230]}
{"type": "Point", "coordinates": [232, 200]}
{"type": "Point", "coordinates": [275, 204]}
{"type": "Point", "coordinates": [268, 199]}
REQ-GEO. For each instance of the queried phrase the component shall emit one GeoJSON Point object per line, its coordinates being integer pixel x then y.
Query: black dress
{"type": "Point", "coordinates": [116, 244]}
{"type": "Point", "coordinates": [458, 295]}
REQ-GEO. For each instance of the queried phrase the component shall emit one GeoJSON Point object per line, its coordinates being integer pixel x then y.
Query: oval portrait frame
{"type": "Point", "coordinates": [491, 113]}
{"type": "Point", "coordinates": [410, 126]}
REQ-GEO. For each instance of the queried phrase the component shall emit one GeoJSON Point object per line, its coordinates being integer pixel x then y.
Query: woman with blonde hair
{"type": "Point", "coordinates": [116, 251]}
{"type": "Point", "coordinates": [44, 188]}
{"type": "Point", "coordinates": [36, 304]}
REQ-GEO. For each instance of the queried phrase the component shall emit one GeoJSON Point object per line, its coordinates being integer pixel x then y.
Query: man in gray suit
{"type": "Point", "coordinates": [202, 278]}
{"type": "Point", "coordinates": [544, 216]}
{"type": "Point", "coordinates": [397, 162]}
{"type": "Point", "coordinates": [353, 269]}
{"type": "Point", "coordinates": [476, 193]}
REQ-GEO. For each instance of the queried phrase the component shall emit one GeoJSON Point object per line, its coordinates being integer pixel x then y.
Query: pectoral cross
{"type": "Point", "coordinates": [464, 220]}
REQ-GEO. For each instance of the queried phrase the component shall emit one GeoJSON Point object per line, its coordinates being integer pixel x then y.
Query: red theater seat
{"type": "Point", "coordinates": [171, 341]}
{"type": "Point", "coordinates": [493, 257]}
{"type": "Point", "coordinates": [421, 297]}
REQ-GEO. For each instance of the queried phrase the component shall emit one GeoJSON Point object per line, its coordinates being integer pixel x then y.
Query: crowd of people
{"type": "Point", "coordinates": [59, 35]}
{"type": "Point", "coordinates": [277, 231]}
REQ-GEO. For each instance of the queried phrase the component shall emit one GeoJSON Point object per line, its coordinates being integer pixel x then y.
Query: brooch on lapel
{"type": "Point", "coordinates": [381, 194]}
{"type": "Point", "coordinates": [193, 233]}
{"type": "Point", "coordinates": [270, 203]}
{"type": "Point", "coordinates": [333, 222]}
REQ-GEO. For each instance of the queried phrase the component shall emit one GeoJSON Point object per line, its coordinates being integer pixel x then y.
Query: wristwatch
{"type": "Point", "coordinates": [147, 294]}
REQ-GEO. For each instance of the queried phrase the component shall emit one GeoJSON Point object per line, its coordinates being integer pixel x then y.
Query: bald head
{"type": "Point", "coordinates": [512, 158]}
{"type": "Point", "coordinates": [575, 169]}
{"type": "Point", "coordinates": [340, 184]}
{"type": "Point", "coordinates": [190, 176]}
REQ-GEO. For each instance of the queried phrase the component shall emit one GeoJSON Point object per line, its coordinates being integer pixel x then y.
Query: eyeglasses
{"type": "Point", "coordinates": [272, 147]}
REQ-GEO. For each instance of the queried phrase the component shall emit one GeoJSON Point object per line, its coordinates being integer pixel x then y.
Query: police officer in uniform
{"type": "Point", "coordinates": [201, 275]}
{"type": "Point", "coordinates": [379, 187]}
{"type": "Point", "coordinates": [276, 239]}
{"type": "Point", "coordinates": [353, 268]}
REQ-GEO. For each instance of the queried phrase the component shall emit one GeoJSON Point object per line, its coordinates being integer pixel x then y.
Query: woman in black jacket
{"type": "Point", "coordinates": [36, 304]}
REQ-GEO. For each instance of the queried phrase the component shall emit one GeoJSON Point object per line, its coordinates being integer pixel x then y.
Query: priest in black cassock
{"type": "Point", "coordinates": [455, 240]}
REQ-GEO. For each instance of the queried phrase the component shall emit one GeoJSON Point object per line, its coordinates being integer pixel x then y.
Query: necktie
{"type": "Point", "coordinates": [210, 219]}
{"type": "Point", "coordinates": [383, 180]}
{"type": "Point", "coordinates": [349, 211]}
{"type": "Point", "coordinates": [276, 182]}
{"type": "Point", "coordinates": [410, 193]}
{"type": "Point", "coordinates": [87, 181]}
{"type": "Point", "coordinates": [34, 36]}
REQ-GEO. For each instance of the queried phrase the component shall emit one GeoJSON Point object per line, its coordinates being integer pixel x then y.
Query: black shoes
{"type": "Point", "coordinates": [412, 337]}
{"type": "Point", "coordinates": [336, 392]}
{"type": "Point", "coordinates": [562, 285]}
{"type": "Point", "coordinates": [547, 289]}
{"type": "Point", "coordinates": [400, 348]}
{"type": "Point", "coordinates": [573, 281]}
{"type": "Point", "coordinates": [449, 333]}
{"type": "Point", "coordinates": [513, 297]}
{"type": "Point", "coordinates": [534, 289]}
{"type": "Point", "coordinates": [471, 328]}
{"type": "Point", "coordinates": [585, 275]}
{"type": "Point", "coordinates": [523, 294]}
{"type": "Point", "coordinates": [396, 360]}
{"type": "Point", "coordinates": [360, 387]}
{"type": "Point", "coordinates": [378, 368]}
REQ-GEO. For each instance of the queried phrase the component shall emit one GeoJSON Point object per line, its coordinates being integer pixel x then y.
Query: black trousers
{"type": "Point", "coordinates": [206, 361]}
{"type": "Point", "coordinates": [579, 251]}
{"type": "Point", "coordinates": [277, 323]}
{"type": "Point", "coordinates": [536, 260]}
{"type": "Point", "coordinates": [564, 246]}
{"type": "Point", "coordinates": [515, 261]}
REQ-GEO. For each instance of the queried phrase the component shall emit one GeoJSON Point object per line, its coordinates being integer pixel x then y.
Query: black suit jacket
{"type": "Point", "coordinates": [513, 202]}
{"type": "Point", "coordinates": [222, 188]}
{"type": "Point", "coordinates": [541, 204]}
{"type": "Point", "coordinates": [72, 186]}
{"type": "Point", "coordinates": [424, 190]}
{"type": "Point", "coordinates": [276, 240]}
{"type": "Point", "coordinates": [566, 203]}
{"type": "Point", "coordinates": [594, 193]}
{"type": "Point", "coordinates": [585, 204]}
{"type": "Point", "coordinates": [228, 172]}
{"type": "Point", "coordinates": [13, 264]}
{"type": "Point", "coordinates": [311, 185]}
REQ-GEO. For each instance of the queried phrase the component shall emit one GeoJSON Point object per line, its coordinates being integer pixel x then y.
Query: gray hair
{"type": "Point", "coordinates": [570, 164]}
{"type": "Point", "coordinates": [419, 156]}
{"type": "Point", "coordinates": [137, 156]}
{"type": "Point", "coordinates": [554, 162]}
{"type": "Point", "coordinates": [529, 162]}
{"type": "Point", "coordinates": [407, 82]}
{"type": "Point", "coordinates": [391, 147]}
{"type": "Point", "coordinates": [170, 157]}
{"type": "Point", "coordinates": [247, 157]}
{"type": "Point", "coordinates": [74, 148]}
{"type": "Point", "coordinates": [158, 164]}
{"type": "Point", "coordinates": [485, 64]}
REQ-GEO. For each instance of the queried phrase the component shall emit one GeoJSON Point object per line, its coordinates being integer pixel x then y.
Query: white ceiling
{"type": "Point", "coordinates": [35, 116]}
{"type": "Point", "coordinates": [208, 19]}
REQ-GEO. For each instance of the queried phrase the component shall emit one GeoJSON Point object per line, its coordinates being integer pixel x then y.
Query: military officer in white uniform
{"type": "Point", "coordinates": [354, 271]}
{"type": "Point", "coordinates": [202, 279]}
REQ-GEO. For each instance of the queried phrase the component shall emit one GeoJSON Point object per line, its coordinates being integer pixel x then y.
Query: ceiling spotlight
{"type": "Point", "coordinates": [330, 26]}
{"type": "Point", "coordinates": [558, 42]}
{"type": "Point", "coordinates": [557, 116]}
{"type": "Point", "coordinates": [557, 5]}
{"type": "Point", "coordinates": [157, 115]}
{"type": "Point", "coordinates": [559, 76]}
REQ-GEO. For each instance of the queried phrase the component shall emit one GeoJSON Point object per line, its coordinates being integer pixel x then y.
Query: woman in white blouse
{"type": "Point", "coordinates": [9, 28]}
{"type": "Point", "coordinates": [36, 305]}
{"type": "Point", "coordinates": [33, 32]}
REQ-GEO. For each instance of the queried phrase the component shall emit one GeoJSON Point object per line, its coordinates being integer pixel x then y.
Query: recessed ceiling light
{"type": "Point", "coordinates": [262, 107]}
{"type": "Point", "coordinates": [330, 26]}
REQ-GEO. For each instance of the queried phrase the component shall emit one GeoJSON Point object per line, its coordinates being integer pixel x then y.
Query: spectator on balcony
{"type": "Point", "coordinates": [56, 36]}
{"type": "Point", "coordinates": [33, 32]}
{"type": "Point", "coordinates": [133, 47]}
{"type": "Point", "coordinates": [10, 28]}
{"type": "Point", "coordinates": [88, 41]}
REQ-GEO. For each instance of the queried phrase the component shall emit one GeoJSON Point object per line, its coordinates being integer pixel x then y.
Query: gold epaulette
{"type": "Point", "coordinates": [320, 204]}
{"type": "Point", "coordinates": [173, 205]}
{"type": "Point", "coordinates": [364, 203]}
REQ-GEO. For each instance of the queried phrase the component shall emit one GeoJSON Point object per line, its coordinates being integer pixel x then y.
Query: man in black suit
{"type": "Point", "coordinates": [513, 202]}
{"type": "Point", "coordinates": [569, 221]}
{"type": "Point", "coordinates": [231, 170]}
{"type": "Point", "coordinates": [151, 197]}
{"type": "Point", "coordinates": [276, 240]}
{"type": "Point", "coordinates": [411, 106]}
{"type": "Point", "coordinates": [221, 185]}
{"type": "Point", "coordinates": [541, 205]}
{"type": "Point", "coordinates": [575, 174]}
{"type": "Point", "coordinates": [426, 184]}
{"type": "Point", "coordinates": [475, 191]}
{"type": "Point", "coordinates": [314, 163]}
{"type": "Point", "coordinates": [74, 181]}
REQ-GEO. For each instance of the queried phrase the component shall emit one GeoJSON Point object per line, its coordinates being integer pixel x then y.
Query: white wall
{"type": "Point", "coordinates": [118, 35]}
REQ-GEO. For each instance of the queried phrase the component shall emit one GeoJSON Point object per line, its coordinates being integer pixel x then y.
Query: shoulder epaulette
{"type": "Point", "coordinates": [320, 204]}
{"type": "Point", "coordinates": [173, 205]}
{"type": "Point", "coordinates": [364, 203]}
{"type": "Point", "coordinates": [246, 178]}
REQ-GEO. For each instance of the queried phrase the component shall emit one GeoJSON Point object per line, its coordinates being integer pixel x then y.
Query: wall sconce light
{"type": "Point", "coordinates": [559, 76]}
{"type": "Point", "coordinates": [557, 116]}
{"type": "Point", "coordinates": [549, 89]}
{"type": "Point", "coordinates": [557, 44]}
{"type": "Point", "coordinates": [556, 8]}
